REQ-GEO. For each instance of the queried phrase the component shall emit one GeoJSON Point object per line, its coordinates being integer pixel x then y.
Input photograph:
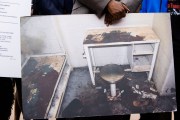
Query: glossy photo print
{"type": "Point", "coordinates": [72, 67]}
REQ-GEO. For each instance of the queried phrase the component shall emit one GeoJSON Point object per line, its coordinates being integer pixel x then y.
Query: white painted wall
{"type": "Point", "coordinates": [169, 81]}
{"type": "Point", "coordinates": [39, 36]}
{"type": "Point", "coordinates": [164, 67]}
{"type": "Point", "coordinates": [111, 55]}
{"type": "Point", "coordinates": [73, 30]}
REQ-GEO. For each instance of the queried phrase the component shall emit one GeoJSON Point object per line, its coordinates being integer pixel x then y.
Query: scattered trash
{"type": "Point", "coordinates": [127, 70]}
{"type": "Point", "coordinates": [140, 103]}
{"type": "Point", "coordinates": [144, 94]}
{"type": "Point", "coordinates": [137, 86]}
{"type": "Point", "coordinates": [44, 74]}
{"type": "Point", "coordinates": [174, 98]}
{"type": "Point", "coordinates": [118, 95]}
{"type": "Point", "coordinates": [105, 90]}
{"type": "Point", "coordinates": [152, 89]}
{"type": "Point", "coordinates": [149, 95]}
{"type": "Point", "coordinates": [122, 91]}
{"type": "Point", "coordinates": [129, 78]}
{"type": "Point", "coordinates": [98, 88]}
{"type": "Point", "coordinates": [114, 98]}
{"type": "Point", "coordinates": [136, 91]}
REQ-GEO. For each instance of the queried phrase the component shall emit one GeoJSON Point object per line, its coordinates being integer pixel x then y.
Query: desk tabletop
{"type": "Point", "coordinates": [120, 34]}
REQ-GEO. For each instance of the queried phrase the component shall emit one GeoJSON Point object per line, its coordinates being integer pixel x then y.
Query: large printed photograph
{"type": "Point", "coordinates": [76, 66]}
{"type": "Point", "coordinates": [107, 62]}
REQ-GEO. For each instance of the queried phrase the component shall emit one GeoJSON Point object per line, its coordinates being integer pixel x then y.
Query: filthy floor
{"type": "Point", "coordinates": [137, 96]}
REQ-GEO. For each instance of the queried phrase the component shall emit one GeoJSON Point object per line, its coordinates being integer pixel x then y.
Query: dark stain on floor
{"type": "Point", "coordinates": [138, 96]}
{"type": "Point", "coordinates": [37, 88]}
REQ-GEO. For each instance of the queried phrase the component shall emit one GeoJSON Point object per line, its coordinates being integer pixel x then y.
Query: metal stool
{"type": "Point", "coordinates": [112, 73]}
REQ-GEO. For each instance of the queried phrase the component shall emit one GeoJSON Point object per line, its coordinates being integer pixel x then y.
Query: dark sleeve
{"type": "Point", "coordinates": [47, 7]}
{"type": "Point", "coordinates": [132, 4]}
{"type": "Point", "coordinates": [96, 6]}
{"type": "Point", "coordinates": [68, 5]}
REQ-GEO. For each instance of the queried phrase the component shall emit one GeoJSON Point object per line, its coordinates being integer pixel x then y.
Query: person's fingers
{"type": "Point", "coordinates": [107, 19]}
{"type": "Point", "coordinates": [121, 7]}
{"type": "Point", "coordinates": [123, 14]}
{"type": "Point", "coordinates": [119, 15]}
{"type": "Point", "coordinates": [110, 19]}
{"type": "Point", "coordinates": [125, 7]}
{"type": "Point", "coordinates": [115, 7]}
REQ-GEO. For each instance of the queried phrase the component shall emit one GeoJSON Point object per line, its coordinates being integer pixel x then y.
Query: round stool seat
{"type": "Point", "coordinates": [112, 73]}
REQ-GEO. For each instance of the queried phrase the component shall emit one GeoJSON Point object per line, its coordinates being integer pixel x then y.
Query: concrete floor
{"type": "Point", "coordinates": [92, 100]}
{"type": "Point", "coordinates": [133, 116]}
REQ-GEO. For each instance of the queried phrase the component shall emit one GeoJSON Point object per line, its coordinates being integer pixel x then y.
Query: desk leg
{"type": "Point", "coordinates": [89, 60]}
{"type": "Point", "coordinates": [153, 61]}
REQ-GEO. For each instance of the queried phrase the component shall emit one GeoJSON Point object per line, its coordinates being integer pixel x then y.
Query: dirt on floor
{"type": "Point", "coordinates": [136, 95]}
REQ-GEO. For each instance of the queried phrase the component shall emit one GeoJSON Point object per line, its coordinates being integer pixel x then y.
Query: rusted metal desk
{"type": "Point", "coordinates": [142, 43]}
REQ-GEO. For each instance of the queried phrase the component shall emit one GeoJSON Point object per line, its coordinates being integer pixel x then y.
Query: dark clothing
{"type": "Point", "coordinates": [154, 6]}
{"type": "Point", "coordinates": [18, 98]}
{"type": "Point", "coordinates": [176, 48]}
{"type": "Point", "coordinates": [156, 116]}
{"type": "Point", "coordinates": [7, 86]}
{"type": "Point", "coordinates": [7, 97]}
{"type": "Point", "coordinates": [174, 7]}
{"type": "Point", "coordinates": [98, 6]}
{"type": "Point", "coordinates": [52, 7]}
